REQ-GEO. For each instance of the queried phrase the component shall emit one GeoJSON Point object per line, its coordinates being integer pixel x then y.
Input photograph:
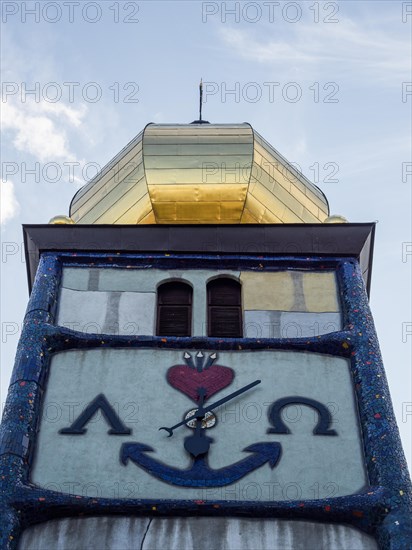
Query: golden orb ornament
{"type": "Point", "coordinates": [61, 220]}
{"type": "Point", "coordinates": [336, 218]}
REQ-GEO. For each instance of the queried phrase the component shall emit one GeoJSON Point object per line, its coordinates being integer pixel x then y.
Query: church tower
{"type": "Point", "coordinates": [199, 367]}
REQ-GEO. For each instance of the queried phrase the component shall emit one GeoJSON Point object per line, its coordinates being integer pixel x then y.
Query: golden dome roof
{"type": "Point", "coordinates": [198, 173]}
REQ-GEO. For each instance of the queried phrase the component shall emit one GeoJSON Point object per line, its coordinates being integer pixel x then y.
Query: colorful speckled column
{"type": "Point", "coordinates": [382, 509]}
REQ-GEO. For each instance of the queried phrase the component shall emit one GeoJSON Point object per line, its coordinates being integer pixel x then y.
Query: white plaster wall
{"type": "Point", "coordinates": [131, 533]}
{"type": "Point", "coordinates": [134, 381]}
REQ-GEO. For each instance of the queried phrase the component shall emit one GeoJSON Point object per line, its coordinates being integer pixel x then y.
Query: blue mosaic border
{"type": "Point", "coordinates": [383, 510]}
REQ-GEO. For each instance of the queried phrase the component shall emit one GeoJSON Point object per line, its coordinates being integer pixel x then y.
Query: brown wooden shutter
{"type": "Point", "coordinates": [224, 308]}
{"type": "Point", "coordinates": [174, 309]}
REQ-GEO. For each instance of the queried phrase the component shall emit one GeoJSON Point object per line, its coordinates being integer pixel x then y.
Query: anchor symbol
{"type": "Point", "coordinates": [200, 474]}
{"type": "Point", "coordinates": [198, 444]}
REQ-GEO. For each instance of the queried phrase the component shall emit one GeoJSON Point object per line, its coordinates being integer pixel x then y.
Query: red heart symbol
{"type": "Point", "coordinates": [188, 380]}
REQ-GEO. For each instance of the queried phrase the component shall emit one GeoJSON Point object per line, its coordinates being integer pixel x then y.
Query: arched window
{"type": "Point", "coordinates": [174, 309]}
{"type": "Point", "coordinates": [224, 308]}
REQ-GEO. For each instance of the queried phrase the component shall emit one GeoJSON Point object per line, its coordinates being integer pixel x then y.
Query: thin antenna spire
{"type": "Point", "coordinates": [200, 121]}
{"type": "Point", "coordinates": [200, 99]}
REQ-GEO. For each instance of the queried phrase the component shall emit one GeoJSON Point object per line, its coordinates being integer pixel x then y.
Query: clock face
{"type": "Point", "coordinates": [199, 424]}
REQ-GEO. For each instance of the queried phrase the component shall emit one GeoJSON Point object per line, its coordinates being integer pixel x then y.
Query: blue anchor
{"type": "Point", "coordinates": [200, 474]}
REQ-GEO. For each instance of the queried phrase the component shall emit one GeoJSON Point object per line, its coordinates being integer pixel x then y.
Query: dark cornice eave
{"type": "Point", "coordinates": [347, 240]}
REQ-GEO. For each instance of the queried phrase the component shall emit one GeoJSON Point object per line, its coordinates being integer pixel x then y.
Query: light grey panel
{"type": "Point", "coordinates": [197, 149]}
{"type": "Point", "coordinates": [137, 313]}
{"type": "Point", "coordinates": [136, 281]}
{"type": "Point", "coordinates": [289, 324]}
{"type": "Point", "coordinates": [294, 324]}
{"type": "Point", "coordinates": [107, 312]}
{"type": "Point", "coordinates": [131, 533]}
{"type": "Point", "coordinates": [262, 324]}
{"type": "Point", "coordinates": [82, 310]}
{"type": "Point", "coordinates": [76, 278]}
{"type": "Point", "coordinates": [298, 293]}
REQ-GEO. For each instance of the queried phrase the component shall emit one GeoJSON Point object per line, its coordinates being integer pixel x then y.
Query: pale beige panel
{"type": "Point", "coordinates": [308, 217]}
{"type": "Point", "coordinates": [301, 196]}
{"type": "Point", "coordinates": [201, 149]}
{"type": "Point", "coordinates": [208, 193]}
{"type": "Point", "coordinates": [301, 179]}
{"type": "Point", "coordinates": [281, 202]}
{"type": "Point", "coordinates": [255, 208]}
{"type": "Point", "coordinates": [205, 130]}
{"type": "Point", "coordinates": [305, 199]}
{"type": "Point", "coordinates": [296, 179]}
{"type": "Point", "coordinates": [193, 139]}
{"type": "Point", "coordinates": [113, 195]}
{"type": "Point", "coordinates": [319, 202]}
{"type": "Point", "coordinates": [270, 202]}
{"type": "Point", "coordinates": [137, 212]}
{"type": "Point", "coordinates": [270, 217]}
{"type": "Point", "coordinates": [117, 209]}
{"type": "Point", "coordinates": [321, 293]}
{"type": "Point", "coordinates": [259, 211]}
{"type": "Point", "coordinates": [247, 217]}
{"type": "Point", "coordinates": [278, 171]}
{"type": "Point", "coordinates": [274, 209]}
{"type": "Point", "coordinates": [148, 218]}
{"type": "Point", "coordinates": [295, 204]}
{"type": "Point", "coordinates": [194, 128]}
{"type": "Point", "coordinates": [267, 291]}
{"type": "Point", "coordinates": [288, 200]}
{"type": "Point", "coordinates": [275, 167]}
{"type": "Point", "coordinates": [146, 209]}
{"type": "Point", "coordinates": [223, 162]}
{"type": "Point", "coordinates": [289, 216]}
{"type": "Point", "coordinates": [95, 209]}
{"type": "Point", "coordinates": [212, 174]}
{"type": "Point", "coordinates": [133, 169]}
{"type": "Point", "coordinates": [268, 169]}
{"type": "Point", "coordinates": [259, 175]}
{"type": "Point", "coordinates": [118, 171]}
{"type": "Point", "coordinates": [130, 147]}
{"type": "Point", "coordinates": [162, 126]}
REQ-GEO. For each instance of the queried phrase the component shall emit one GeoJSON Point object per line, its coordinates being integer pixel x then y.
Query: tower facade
{"type": "Point", "coordinates": [199, 366]}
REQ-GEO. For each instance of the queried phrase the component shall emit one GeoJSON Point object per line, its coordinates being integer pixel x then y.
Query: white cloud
{"type": "Point", "coordinates": [40, 128]}
{"type": "Point", "coordinates": [341, 48]}
{"type": "Point", "coordinates": [9, 205]}
{"type": "Point", "coordinates": [158, 117]}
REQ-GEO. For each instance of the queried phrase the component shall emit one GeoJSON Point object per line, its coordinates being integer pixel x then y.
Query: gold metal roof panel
{"type": "Point", "coordinates": [199, 173]}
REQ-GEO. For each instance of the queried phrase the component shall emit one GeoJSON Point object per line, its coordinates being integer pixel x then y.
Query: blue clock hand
{"type": "Point", "coordinates": [198, 444]}
{"type": "Point", "coordinates": [200, 413]}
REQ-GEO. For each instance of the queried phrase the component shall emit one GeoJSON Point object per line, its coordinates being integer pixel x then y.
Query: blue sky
{"type": "Point", "coordinates": [325, 83]}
